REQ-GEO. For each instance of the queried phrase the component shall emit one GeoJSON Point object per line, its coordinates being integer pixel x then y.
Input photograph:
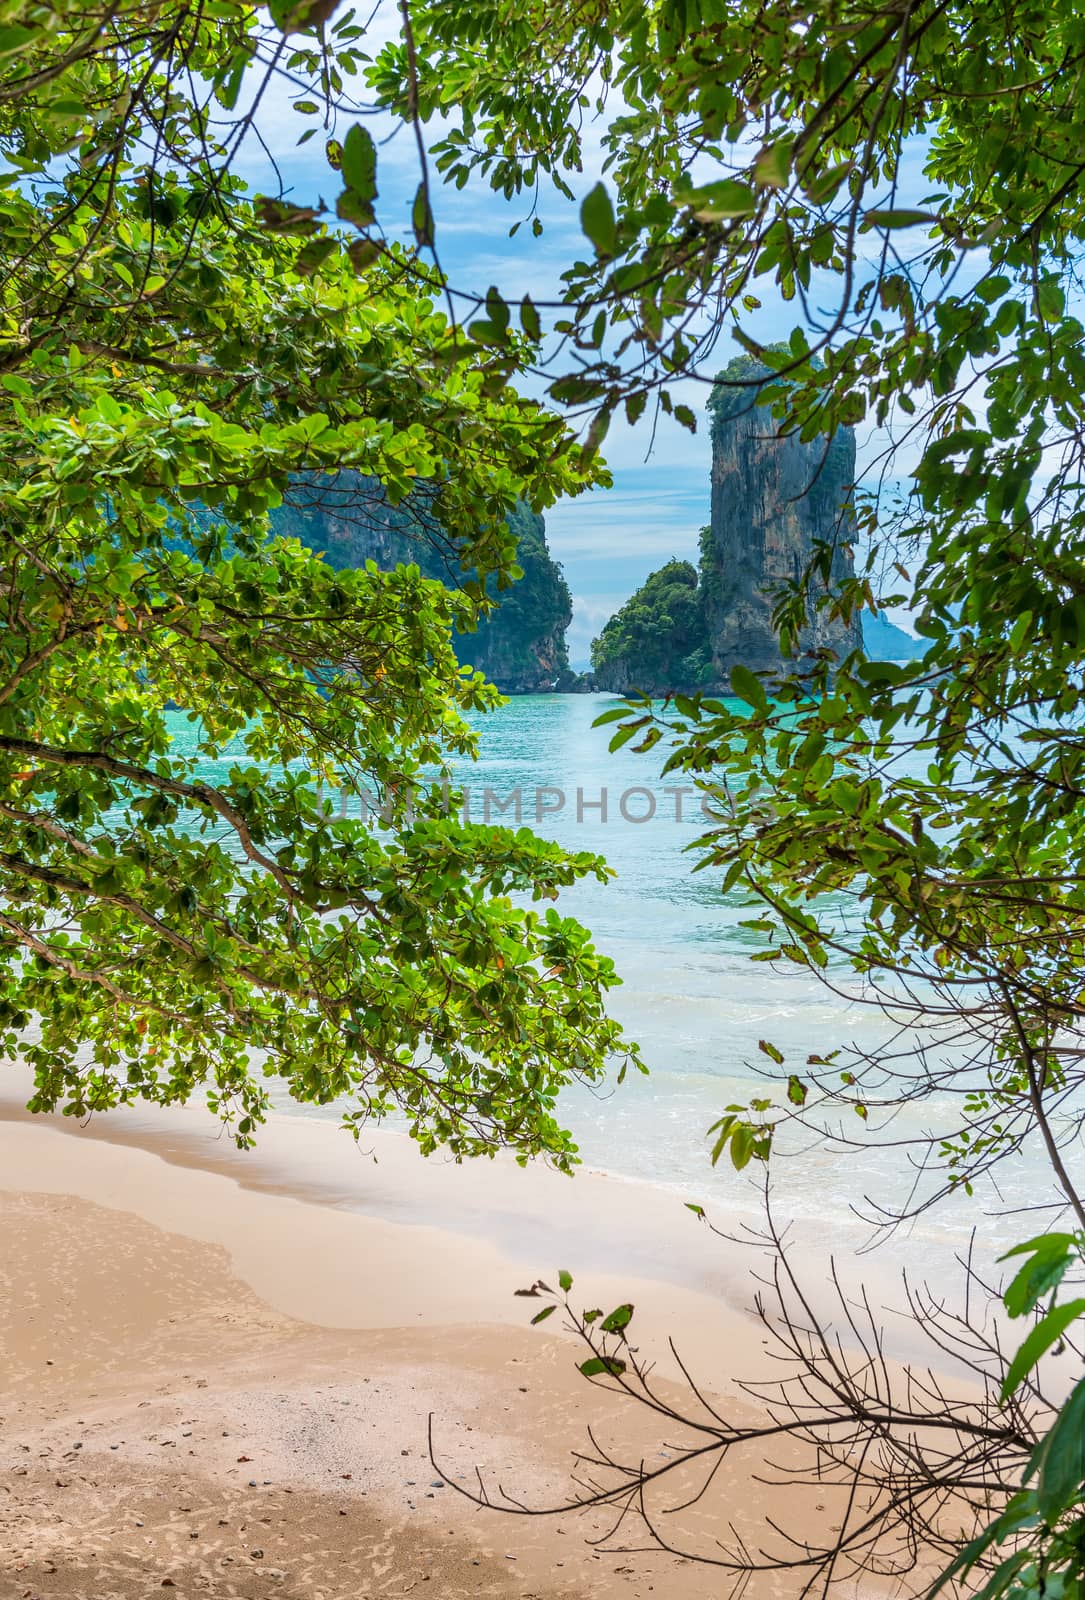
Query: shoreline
{"type": "Point", "coordinates": [420, 1213]}
{"type": "Point", "coordinates": [612, 1231]}
{"type": "Point", "coordinates": [166, 1330]}
{"type": "Point", "coordinates": [285, 1238]}
{"type": "Point", "coordinates": [471, 1232]}
{"type": "Point", "coordinates": [178, 1315]}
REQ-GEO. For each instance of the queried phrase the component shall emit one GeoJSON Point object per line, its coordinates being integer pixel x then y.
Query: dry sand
{"type": "Point", "coordinates": [215, 1387]}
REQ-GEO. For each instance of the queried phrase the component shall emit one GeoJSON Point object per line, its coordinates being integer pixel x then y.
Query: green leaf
{"type": "Point", "coordinates": [1005, 1573]}
{"type": "Point", "coordinates": [541, 1316]}
{"type": "Point", "coordinates": [723, 1130]}
{"type": "Point", "coordinates": [773, 165]}
{"type": "Point", "coordinates": [821, 188]}
{"type": "Point", "coordinates": [796, 1091]}
{"type": "Point", "coordinates": [362, 253]}
{"type": "Point", "coordinates": [16, 38]}
{"type": "Point", "coordinates": [808, 752]}
{"type": "Point", "coordinates": [1050, 1256]}
{"type": "Point", "coordinates": [1019, 632]}
{"type": "Point", "coordinates": [287, 14]}
{"type": "Point", "coordinates": [618, 1319]}
{"type": "Point", "coordinates": [422, 219]}
{"type": "Point", "coordinates": [741, 1146]}
{"type": "Point", "coordinates": [1047, 1332]}
{"type": "Point", "coordinates": [598, 1366]}
{"type": "Point", "coordinates": [1050, 299]}
{"type": "Point", "coordinates": [353, 207]}
{"type": "Point", "coordinates": [898, 218]}
{"type": "Point", "coordinates": [311, 256]}
{"type": "Point", "coordinates": [565, 1281]}
{"type": "Point", "coordinates": [1058, 1462]}
{"type": "Point", "coordinates": [359, 162]}
{"type": "Point", "coordinates": [771, 1051]}
{"type": "Point", "coordinates": [496, 309]}
{"type": "Point", "coordinates": [744, 686]}
{"type": "Point", "coordinates": [280, 217]}
{"type": "Point", "coordinates": [597, 432]}
{"type": "Point", "coordinates": [598, 221]}
{"type": "Point", "coordinates": [720, 202]}
{"type": "Point", "coordinates": [1019, 1512]}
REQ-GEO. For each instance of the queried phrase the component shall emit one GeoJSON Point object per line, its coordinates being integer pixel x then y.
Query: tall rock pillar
{"type": "Point", "coordinates": [773, 500]}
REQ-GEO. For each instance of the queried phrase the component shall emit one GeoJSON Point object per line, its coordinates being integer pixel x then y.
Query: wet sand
{"type": "Point", "coordinates": [217, 1370]}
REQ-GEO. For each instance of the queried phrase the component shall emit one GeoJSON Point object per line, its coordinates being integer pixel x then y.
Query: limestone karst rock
{"type": "Point", "coordinates": [520, 646]}
{"type": "Point", "coordinates": [773, 500]}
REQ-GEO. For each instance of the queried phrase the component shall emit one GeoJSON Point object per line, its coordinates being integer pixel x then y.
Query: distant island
{"type": "Point", "coordinates": [661, 640]}
{"type": "Point", "coordinates": [520, 646]}
{"type": "Point", "coordinates": [774, 500]}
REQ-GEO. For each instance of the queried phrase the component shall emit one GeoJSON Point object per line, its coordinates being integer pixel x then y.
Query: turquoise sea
{"type": "Point", "coordinates": [690, 995]}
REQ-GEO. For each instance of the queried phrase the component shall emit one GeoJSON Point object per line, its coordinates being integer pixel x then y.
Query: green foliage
{"type": "Point", "coordinates": [1049, 1258]}
{"type": "Point", "coordinates": [794, 175]}
{"type": "Point", "coordinates": [1043, 1522]}
{"type": "Point", "coordinates": [743, 383]}
{"type": "Point", "coordinates": [515, 635]}
{"type": "Point", "coordinates": [603, 1334]}
{"type": "Point", "coordinates": [174, 359]}
{"type": "Point", "coordinates": [658, 641]}
{"type": "Point", "coordinates": [742, 1137]}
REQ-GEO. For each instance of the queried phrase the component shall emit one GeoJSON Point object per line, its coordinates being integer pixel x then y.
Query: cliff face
{"type": "Point", "coordinates": [520, 647]}
{"type": "Point", "coordinates": [773, 499]}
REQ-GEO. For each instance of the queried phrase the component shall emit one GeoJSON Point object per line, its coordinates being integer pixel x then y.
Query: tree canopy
{"type": "Point", "coordinates": [518, 642]}
{"type": "Point", "coordinates": [184, 912]}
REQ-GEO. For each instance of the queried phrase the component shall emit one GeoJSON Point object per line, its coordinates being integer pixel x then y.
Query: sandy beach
{"type": "Point", "coordinates": [218, 1368]}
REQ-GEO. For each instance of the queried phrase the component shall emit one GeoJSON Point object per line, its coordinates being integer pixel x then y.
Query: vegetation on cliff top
{"type": "Point", "coordinates": [657, 641]}
{"type": "Point", "coordinates": [749, 381]}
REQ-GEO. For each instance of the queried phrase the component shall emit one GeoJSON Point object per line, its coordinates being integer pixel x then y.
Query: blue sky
{"type": "Point", "coordinates": [610, 540]}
